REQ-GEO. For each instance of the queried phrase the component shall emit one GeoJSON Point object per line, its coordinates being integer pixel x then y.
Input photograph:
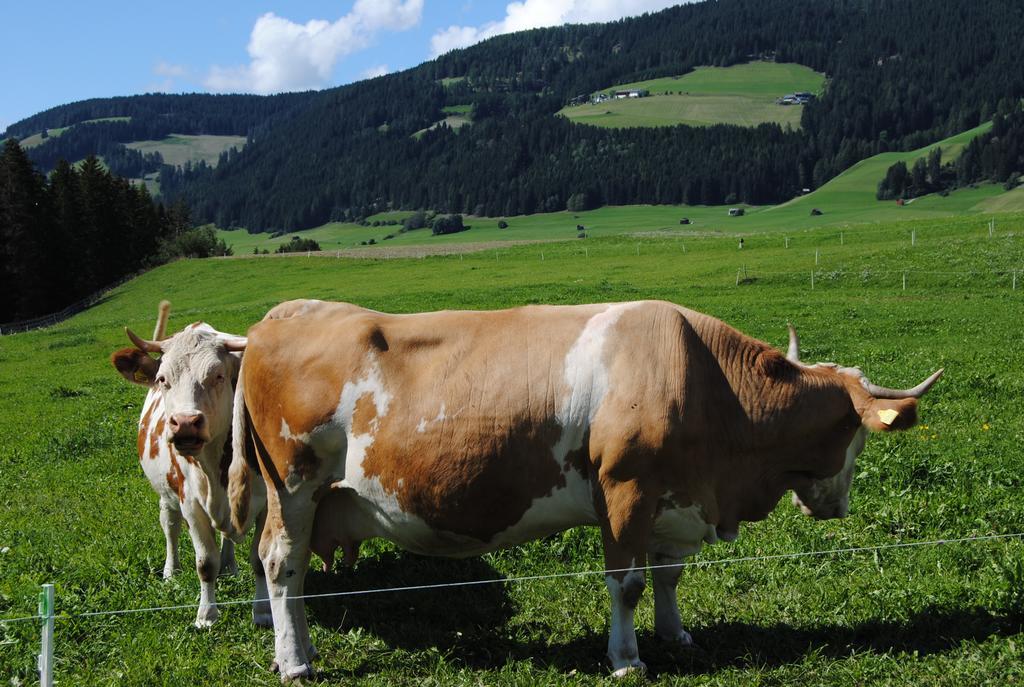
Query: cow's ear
{"type": "Point", "coordinates": [136, 366]}
{"type": "Point", "coordinates": [886, 415]}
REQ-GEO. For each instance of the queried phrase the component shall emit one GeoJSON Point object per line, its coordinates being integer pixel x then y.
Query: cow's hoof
{"type": "Point", "coordinates": [636, 667]}
{"type": "Point", "coordinates": [682, 639]}
{"type": "Point", "coordinates": [313, 654]}
{"type": "Point", "coordinates": [207, 617]}
{"type": "Point", "coordinates": [274, 668]}
{"type": "Point", "coordinates": [229, 570]}
{"type": "Point", "coordinates": [263, 619]}
{"type": "Point", "coordinates": [297, 674]}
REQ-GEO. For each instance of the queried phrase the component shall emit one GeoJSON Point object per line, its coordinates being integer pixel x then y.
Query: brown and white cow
{"type": "Point", "coordinates": [456, 433]}
{"type": "Point", "coordinates": [185, 449]}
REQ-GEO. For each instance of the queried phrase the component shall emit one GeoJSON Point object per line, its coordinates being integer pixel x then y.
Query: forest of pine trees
{"type": "Point", "coordinates": [996, 156]}
{"type": "Point", "coordinates": [64, 236]}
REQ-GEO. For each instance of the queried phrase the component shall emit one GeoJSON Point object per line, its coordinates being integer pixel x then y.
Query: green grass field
{"type": "Point", "coordinates": [848, 199]}
{"type": "Point", "coordinates": [177, 149]}
{"type": "Point", "coordinates": [452, 121]}
{"type": "Point", "coordinates": [743, 94]}
{"type": "Point", "coordinates": [75, 509]}
{"type": "Point", "coordinates": [36, 139]}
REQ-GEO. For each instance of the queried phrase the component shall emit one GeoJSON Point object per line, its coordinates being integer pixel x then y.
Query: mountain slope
{"type": "Point", "coordinates": [901, 75]}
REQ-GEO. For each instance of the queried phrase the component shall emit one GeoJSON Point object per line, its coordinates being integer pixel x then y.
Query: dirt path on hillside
{"type": "Point", "coordinates": [397, 252]}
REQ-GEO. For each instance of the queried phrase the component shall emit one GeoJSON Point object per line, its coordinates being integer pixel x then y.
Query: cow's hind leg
{"type": "Point", "coordinates": [228, 564]}
{"type": "Point", "coordinates": [625, 533]}
{"type": "Point", "coordinates": [261, 613]}
{"type": "Point", "coordinates": [284, 549]}
{"type": "Point", "coordinates": [204, 540]}
{"type": "Point", "coordinates": [170, 523]}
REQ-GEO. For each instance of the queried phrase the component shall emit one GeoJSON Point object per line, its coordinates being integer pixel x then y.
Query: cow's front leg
{"type": "Point", "coordinates": [204, 540]}
{"type": "Point", "coordinates": [667, 623]}
{"type": "Point", "coordinates": [170, 523]}
{"type": "Point", "coordinates": [625, 589]}
{"type": "Point", "coordinates": [625, 533]}
{"type": "Point", "coordinates": [284, 550]}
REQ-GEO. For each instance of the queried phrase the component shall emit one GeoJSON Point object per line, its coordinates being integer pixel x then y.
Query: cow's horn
{"type": "Point", "coordinates": [234, 344]}
{"type": "Point", "coordinates": [793, 354]}
{"type": "Point", "coordinates": [142, 344]}
{"type": "Point", "coordinates": [916, 392]}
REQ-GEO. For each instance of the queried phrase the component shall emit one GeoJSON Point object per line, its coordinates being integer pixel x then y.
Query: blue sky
{"type": "Point", "coordinates": [64, 51]}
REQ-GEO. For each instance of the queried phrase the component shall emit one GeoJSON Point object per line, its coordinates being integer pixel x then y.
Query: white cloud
{"type": "Point", "coordinates": [169, 70]}
{"type": "Point", "coordinates": [167, 74]}
{"type": "Point", "coordinates": [532, 14]}
{"type": "Point", "coordinates": [373, 72]}
{"type": "Point", "coordinates": [286, 56]}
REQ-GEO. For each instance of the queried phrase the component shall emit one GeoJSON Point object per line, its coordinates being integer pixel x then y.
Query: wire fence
{"type": "Point", "coordinates": [70, 311]}
{"type": "Point", "coordinates": [551, 576]}
{"type": "Point", "coordinates": [1009, 274]}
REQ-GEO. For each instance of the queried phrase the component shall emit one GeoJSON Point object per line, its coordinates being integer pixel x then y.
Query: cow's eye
{"type": "Point", "coordinates": [162, 381]}
{"type": "Point", "coordinates": [220, 378]}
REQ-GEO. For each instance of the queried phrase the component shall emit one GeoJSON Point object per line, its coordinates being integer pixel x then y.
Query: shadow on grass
{"type": "Point", "coordinates": [468, 625]}
{"type": "Point", "coordinates": [415, 619]}
{"type": "Point", "coordinates": [933, 630]}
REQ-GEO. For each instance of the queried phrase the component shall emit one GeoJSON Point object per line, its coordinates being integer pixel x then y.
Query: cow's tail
{"type": "Point", "coordinates": [163, 312]}
{"type": "Point", "coordinates": [247, 493]}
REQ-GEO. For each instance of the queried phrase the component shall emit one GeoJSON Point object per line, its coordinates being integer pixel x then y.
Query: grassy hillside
{"type": "Point", "coordinates": [75, 510]}
{"type": "Point", "coordinates": [847, 199]}
{"type": "Point", "coordinates": [177, 149]}
{"type": "Point", "coordinates": [36, 139]}
{"type": "Point", "coordinates": [452, 121]}
{"type": "Point", "coordinates": [743, 94]}
{"type": "Point", "coordinates": [851, 195]}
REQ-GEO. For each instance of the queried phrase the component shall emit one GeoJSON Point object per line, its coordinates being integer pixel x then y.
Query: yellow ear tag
{"type": "Point", "coordinates": [140, 377]}
{"type": "Point", "coordinates": [887, 416]}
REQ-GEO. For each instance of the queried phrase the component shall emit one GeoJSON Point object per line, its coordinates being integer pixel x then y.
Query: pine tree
{"type": "Point", "coordinates": [22, 228]}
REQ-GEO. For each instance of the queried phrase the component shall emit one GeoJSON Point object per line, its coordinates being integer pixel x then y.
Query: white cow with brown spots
{"type": "Point", "coordinates": [184, 446]}
{"type": "Point", "coordinates": [456, 433]}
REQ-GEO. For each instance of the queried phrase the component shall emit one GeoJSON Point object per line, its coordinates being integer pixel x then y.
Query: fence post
{"type": "Point", "coordinates": [904, 281]}
{"type": "Point", "coordinates": [815, 256]}
{"type": "Point", "coordinates": [842, 240]}
{"type": "Point", "coordinates": [46, 655]}
{"type": "Point", "coordinates": [587, 252]}
{"type": "Point", "coordinates": [787, 241]}
{"type": "Point", "coordinates": [812, 280]}
{"type": "Point", "coordinates": [913, 238]}
{"type": "Point", "coordinates": [1015, 280]}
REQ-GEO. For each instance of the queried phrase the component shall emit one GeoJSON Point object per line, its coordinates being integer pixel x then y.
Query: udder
{"type": "Point", "coordinates": [332, 530]}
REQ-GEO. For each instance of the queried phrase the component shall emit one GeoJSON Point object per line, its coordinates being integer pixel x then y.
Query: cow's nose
{"type": "Point", "coordinates": [182, 421]}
